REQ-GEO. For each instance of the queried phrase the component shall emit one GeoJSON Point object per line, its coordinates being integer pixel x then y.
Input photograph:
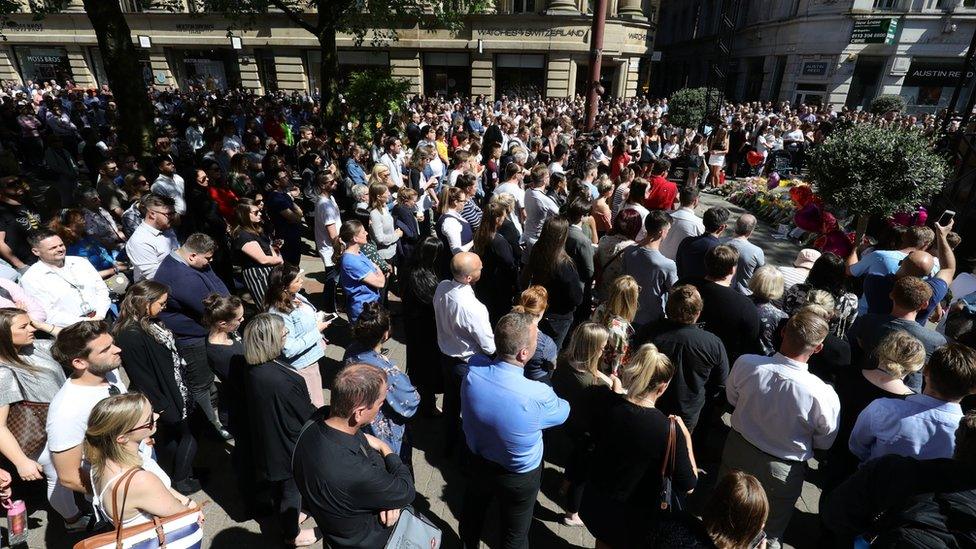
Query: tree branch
{"type": "Point", "coordinates": [294, 16]}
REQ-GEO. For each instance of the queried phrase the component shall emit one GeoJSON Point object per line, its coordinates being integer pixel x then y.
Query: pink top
{"type": "Point", "coordinates": [17, 294]}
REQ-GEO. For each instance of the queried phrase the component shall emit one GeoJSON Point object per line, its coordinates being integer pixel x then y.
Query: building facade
{"type": "Point", "coordinates": [841, 52]}
{"type": "Point", "coordinates": [525, 46]}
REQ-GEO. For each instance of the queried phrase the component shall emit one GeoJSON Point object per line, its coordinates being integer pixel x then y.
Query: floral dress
{"type": "Point", "coordinates": [617, 351]}
{"type": "Point", "coordinates": [845, 308]}
{"type": "Point", "coordinates": [769, 319]}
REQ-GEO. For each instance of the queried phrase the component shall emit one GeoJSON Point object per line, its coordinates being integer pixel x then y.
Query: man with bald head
{"type": "Point", "coordinates": [751, 257]}
{"type": "Point", "coordinates": [463, 330]}
{"type": "Point", "coordinates": [877, 289]}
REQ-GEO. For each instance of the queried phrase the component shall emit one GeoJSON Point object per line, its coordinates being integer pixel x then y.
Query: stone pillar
{"type": "Point", "coordinates": [160, 65]}
{"type": "Point", "coordinates": [75, 6]}
{"type": "Point", "coordinates": [8, 71]}
{"type": "Point", "coordinates": [560, 75]}
{"type": "Point", "coordinates": [482, 75]}
{"type": "Point", "coordinates": [406, 65]}
{"type": "Point", "coordinates": [619, 79]}
{"type": "Point", "coordinates": [291, 71]}
{"type": "Point", "coordinates": [631, 9]}
{"type": "Point", "coordinates": [250, 79]}
{"type": "Point", "coordinates": [562, 7]}
{"type": "Point", "coordinates": [81, 73]}
{"type": "Point", "coordinates": [632, 75]}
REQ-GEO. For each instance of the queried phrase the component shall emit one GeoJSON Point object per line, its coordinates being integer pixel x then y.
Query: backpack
{"type": "Point", "coordinates": [929, 520]}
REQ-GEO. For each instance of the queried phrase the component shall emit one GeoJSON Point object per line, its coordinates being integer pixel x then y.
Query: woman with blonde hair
{"type": "Point", "coordinates": [766, 286]}
{"type": "Point", "coordinates": [616, 314]}
{"type": "Point", "coordinates": [835, 358]}
{"type": "Point", "coordinates": [577, 372]}
{"type": "Point", "coordinates": [114, 445]}
{"type": "Point", "coordinates": [718, 147]}
{"type": "Point", "coordinates": [622, 496]}
{"type": "Point", "coordinates": [534, 301]}
{"type": "Point", "coordinates": [279, 405]}
{"type": "Point", "coordinates": [380, 176]}
{"type": "Point", "coordinates": [382, 229]}
{"type": "Point", "coordinates": [897, 355]}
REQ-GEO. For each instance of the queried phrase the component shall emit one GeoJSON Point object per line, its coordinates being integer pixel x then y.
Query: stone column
{"type": "Point", "coordinates": [482, 75]}
{"type": "Point", "coordinates": [159, 64]}
{"type": "Point", "coordinates": [7, 69]}
{"type": "Point", "coordinates": [250, 77]}
{"type": "Point", "coordinates": [560, 75]}
{"type": "Point", "coordinates": [406, 65]}
{"type": "Point", "coordinates": [562, 7]}
{"type": "Point", "coordinates": [290, 71]}
{"type": "Point", "coordinates": [631, 9]}
{"type": "Point", "coordinates": [81, 73]}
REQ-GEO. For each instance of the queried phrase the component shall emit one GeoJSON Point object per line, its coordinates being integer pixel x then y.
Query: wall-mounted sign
{"type": "Point", "coordinates": [815, 68]}
{"type": "Point", "coordinates": [194, 28]}
{"type": "Point", "coordinates": [13, 26]}
{"type": "Point", "coordinates": [563, 33]}
{"type": "Point", "coordinates": [935, 73]}
{"type": "Point", "coordinates": [875, 30]}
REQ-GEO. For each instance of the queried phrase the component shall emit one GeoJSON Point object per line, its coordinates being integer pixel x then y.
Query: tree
{"type": "Point", "coordinates": [686, 108]}
{"type": "Point", "coordinates": [869, 170]}
{"type": "Point", "coordinates": [886, 103]}
{"type": "Point", "coordinates": [325, 19]}
{"type": "Point", "coordinates": [371, 97]}
{"type": "Point", "coordinates": [119, 57]}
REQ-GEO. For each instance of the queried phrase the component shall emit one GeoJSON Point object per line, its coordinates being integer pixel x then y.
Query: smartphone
{"type": "Point", "coordinates": [327, 317]}
{"type": "Point", "coordinates": [946, 217]}
{"type": "Point", "coordinates": [757, 541]}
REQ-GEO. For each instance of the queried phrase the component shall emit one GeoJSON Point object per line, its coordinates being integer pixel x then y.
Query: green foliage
{"type": "Point", "coordinates": [870, 170]}
{"type": "Point", "coordinates": [887, 103]}
{"type": "Point", "coordinates": [686, 108]}
{"type": "Point", "coordinates": [372, 96]}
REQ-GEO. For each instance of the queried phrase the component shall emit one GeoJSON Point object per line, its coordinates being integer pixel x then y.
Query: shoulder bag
{"type": "Point", "coordinates": [667, 500]}
{"type": "Point", "coordinates": [27, 422]}
{"type": "Point", "coordinates": [180, 530]}
{"type": "Point", "coordinates": [413, 530]}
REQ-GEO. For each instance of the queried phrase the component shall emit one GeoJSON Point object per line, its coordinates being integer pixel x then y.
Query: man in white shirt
{"type": "Point", "coordinates": [68, 288]}
{"type": "Point", "coordinates": [538, 208]}
{"type": "Point", "coordinates": [463, 330]}
{"type": "Point", "coordinates": [684, 222]}
{"type": "Point", "coordinates": [782, 413]}
{"type": "Point", "coordinates": [391, 158]}
{"type": "Point", "coordinates": [559, 158]}
{"type": "Point", "coordinates": [513, 185]}
{"type": "Point", "coordinates": [88, 351]}
{"type": "Point", "coordinates": [153, 239]}
{"type": "Point", "coordinates": [327, 222]}
{"type": "Point", "coordinates": [169, 183]}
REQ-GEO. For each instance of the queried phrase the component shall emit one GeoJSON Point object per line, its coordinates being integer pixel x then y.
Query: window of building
{"type": "Point", "coordinates": [523, 6]}
{"type": "Point", "coordinates": [969, 3]}
{"type": "Point", "coordinates": [522, 75]}
{"type": "Point", "coordinates": [132, 6]}
{"type": "Point", "coordinates": [889, 4]}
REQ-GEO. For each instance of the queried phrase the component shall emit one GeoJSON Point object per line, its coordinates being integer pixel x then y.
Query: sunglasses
{"type": "Point", "coordinates": [148, 425]}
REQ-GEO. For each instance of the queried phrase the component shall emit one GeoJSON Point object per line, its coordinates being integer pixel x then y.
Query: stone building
{"type": "Point", "coordinates": [525, 46]}
{"type": "Point", "coordinates": [842, 52]}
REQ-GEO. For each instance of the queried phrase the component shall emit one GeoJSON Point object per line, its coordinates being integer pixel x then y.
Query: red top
{"type": "Point", "coordinates": [226, 201]}
{"type": "Point", "coordinates": [662, 194]}
{"type": "Point", "coordinates": [617, 164]}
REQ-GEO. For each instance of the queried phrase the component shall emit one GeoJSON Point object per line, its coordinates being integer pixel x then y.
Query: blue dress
{"type": "Point", "coordinates": [402, 399]}
{"type": "Point", "coordinates": [95, 253]}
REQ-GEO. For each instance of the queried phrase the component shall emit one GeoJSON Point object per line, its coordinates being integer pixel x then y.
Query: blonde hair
{"type": "Point", "coordinates": [405, 195]}
{"type": "Point", "coordinates": [585, 349]}
{"type": "Point", "coordinates": [506, 200]}
{"type": "Point", "coordinates": [622, 301]}
{"type": "Point", "coordinates": [899, 354]}
{"type": "Point", "coordinates": [806, 328]}
{"type": "Point", "coordinates": [263, 341]}
{"type": "Point", "coordinates": [376, 190]}
{"type": "Point", "coordinates": [374, 176]}
{"type": "Point", "coordinates": [767, 283]}
{"type": "Point", "coordinates": [533, 300]}
{"type": "Point", "coordinates": [646, 370]}
{"type": "Point", "coordinates": [823, 299]}
{"type": "Point", "coordinates": [111, 418]}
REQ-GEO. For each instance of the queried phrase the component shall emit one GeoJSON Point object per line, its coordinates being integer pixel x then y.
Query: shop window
{"type": "Point", "coordinates": [523, 6]}
{"type": "Point", "coordinates": [520, 75]}
{"type": "Point", "coordinates": [43, 64]}
{"type": "Point", "coordinates": [349, 62]}
{"type": "Point", "coordinates": [447, 74]}
{"type": "Point", "coordinates": [212, 69]}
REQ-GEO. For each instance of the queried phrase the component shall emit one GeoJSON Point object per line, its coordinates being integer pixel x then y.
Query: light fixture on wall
{"type": "Point", "coordinates": [481, 46]}
{"type": "Point", "coordinates": [145, 41]}
{"type": "Point", "coordinates": [235, 42]}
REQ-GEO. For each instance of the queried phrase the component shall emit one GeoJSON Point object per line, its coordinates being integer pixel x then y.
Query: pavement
{"type": "Point", "coordinates": [439, 481]}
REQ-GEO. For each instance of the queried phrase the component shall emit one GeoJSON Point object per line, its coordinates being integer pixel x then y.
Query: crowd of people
{"type": "Point", "coordinates": [557, 287]}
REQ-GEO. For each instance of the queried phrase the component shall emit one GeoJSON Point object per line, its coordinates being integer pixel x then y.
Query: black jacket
{"type": "Point", "coordinates": [149, 365]}
{"type": "Point", "coordinates": [405, 219]}
{"type": "Point", "coordinates": [279, 407]}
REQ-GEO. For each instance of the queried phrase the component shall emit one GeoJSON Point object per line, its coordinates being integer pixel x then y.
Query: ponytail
{"type": "Point", "coordinates": [347, 232]}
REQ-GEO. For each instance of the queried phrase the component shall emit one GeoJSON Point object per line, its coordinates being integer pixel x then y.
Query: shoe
{"type": "Point", "coordinates": [187, 487]}
{"type": "Point", "coordinates": [225, 434]}
{"type": "Point", "coordinates": [84, 523]}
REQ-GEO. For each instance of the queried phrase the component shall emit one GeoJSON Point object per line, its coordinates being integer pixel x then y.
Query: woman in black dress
{"type": "Point", "coordinates": [423, 356]}
{"type": "Point", "coordinates": [253, 249]}
{"type": "Point", "coordinates": [278, 406]}
{"type": "Point", "coordinates": [551, 267]}
{"type": "Point", "coordinates": [631, 437]}
{"type": "Point", "coordinates": [499, 275]}
{"type": "Point", "coordinates": [156, 369]}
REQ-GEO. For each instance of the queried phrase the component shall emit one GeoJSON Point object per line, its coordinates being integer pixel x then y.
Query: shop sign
{"type": "Point", "coordinates": [815, 68]}
{"type": "Point", "coordinates": [875, 30]}
{"type": "Point", "coordinates": [936, 73]}
{"type": "Point", "coordinates": [50, 59]}
{"type": "Point", "coordinates": [13, 26]}
{"type": "Point", "coordinates": [534, 33]}
{"type": "Point", "coordinates": [194, 28]}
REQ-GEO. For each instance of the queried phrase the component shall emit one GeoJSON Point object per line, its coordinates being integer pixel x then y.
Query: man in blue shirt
{"type": "Point", "coordinates": [503, 417]}
{"type": "Point", "coordinates": [920, 426]}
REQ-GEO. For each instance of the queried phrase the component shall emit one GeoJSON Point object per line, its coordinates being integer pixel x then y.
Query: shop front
{"type": "Point", "coordinates": [522, 75]}
{"type": "Point", "coordinates": [929, 83]}
{"type": "Point", "coordinates": [211, 69]}
{"type": "Point", "coordinates": [447, 74]}
{"type": "Point", "coordinates": [349, 62]}
{"type": "Point", "coordinates": [43, 63]}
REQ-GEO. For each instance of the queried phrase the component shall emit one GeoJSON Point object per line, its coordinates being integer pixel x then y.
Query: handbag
{"type": "Point", "coordinates": [181, 530]}
{"type": "Point", "coordinates": [667, 500]}
{"type": "Point", "coordinates": [413, 530]}
{"type": "Point", "coordinates": [27, 422]}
